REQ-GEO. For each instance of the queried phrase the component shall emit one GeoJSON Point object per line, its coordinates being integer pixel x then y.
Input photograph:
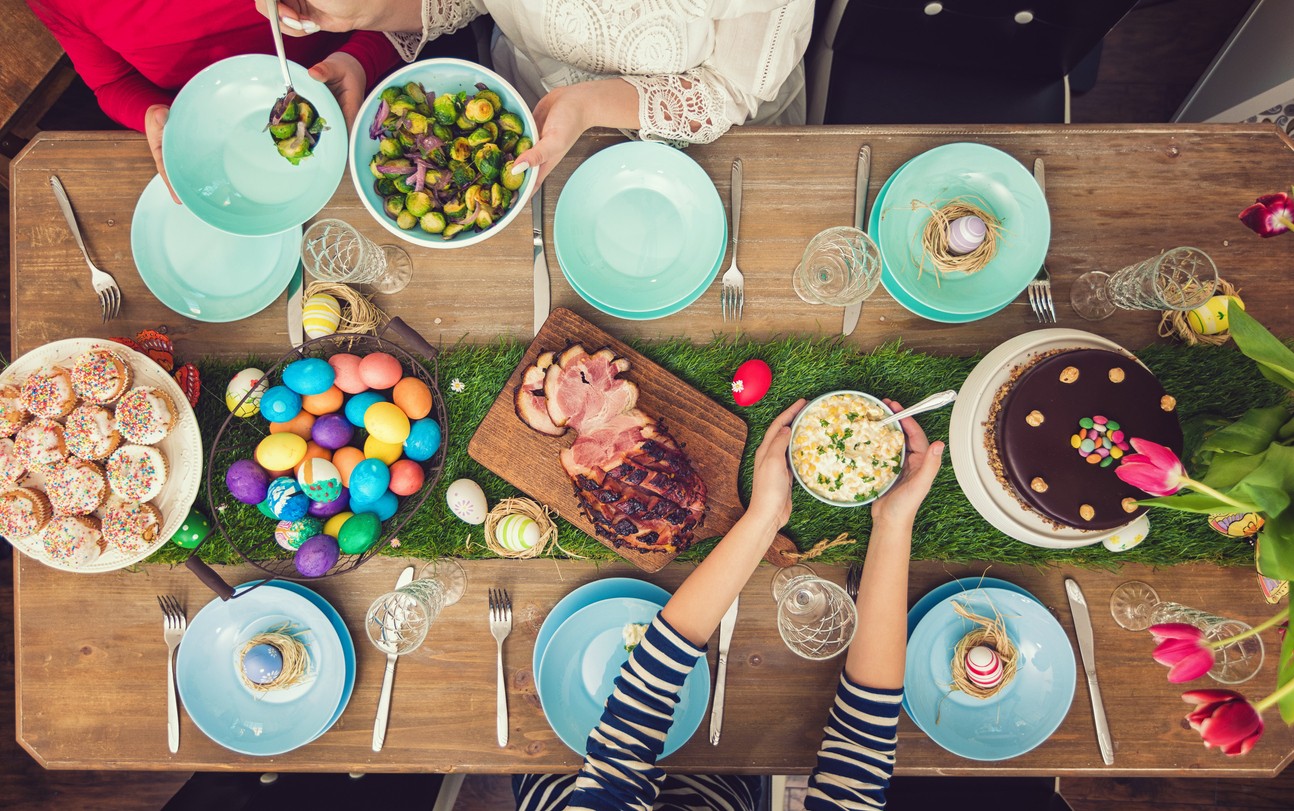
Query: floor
{"type": "Point", "coordinates": [1145, 73]}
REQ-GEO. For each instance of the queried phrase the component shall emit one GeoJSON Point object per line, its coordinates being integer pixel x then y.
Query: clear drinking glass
{"type": "Point", "coordinates": [784, 575]}
{"type": "Point", "coordinates": [398, 622]}
{"type": "Point", "coordinates": [333, 251]}
{"type": "Point", "coordinates": [815, 617]}
{"type": "Point", "coordinates": [841, 266]}
{"type": "Point", "coordinates": [1132, 605]}
{"type": "Point", "coordinates": [1180, 279]}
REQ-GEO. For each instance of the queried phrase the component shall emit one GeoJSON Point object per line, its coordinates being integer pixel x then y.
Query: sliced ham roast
{"type": "Point", "coordinates": [633, 480]}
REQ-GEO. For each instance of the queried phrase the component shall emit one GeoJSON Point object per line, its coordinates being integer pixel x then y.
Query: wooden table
{"type": "Point", "coordinates": [29, 70]}
{"type": "Point", "coordinates": [89, 648]}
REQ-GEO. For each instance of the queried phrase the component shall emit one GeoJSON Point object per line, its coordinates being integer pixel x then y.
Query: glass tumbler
{"type": "Point", "coordinates": [1180, 279]}
{"type": "Point", "coordinates": [334, 251]}
{"type": "Point", "coordinates": [398, 622]}
{"type": "Point", "coordinates": [815, 617]}
{"type": "Point", "coordinates": [1232, 664]}
{"type": "Point", "coordinates": [841, 266]}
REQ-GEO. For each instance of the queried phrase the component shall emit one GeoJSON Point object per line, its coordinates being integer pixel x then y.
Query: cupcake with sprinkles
{"type": "Point", "coordinates": [132, 527]}
{"type": "Point", "coordinates": [12, 412]}
{"type": "Point", "coordinates": [100, 376]}
{"type": "Point", "coordinates": [12, 469]}
{"type": "Point", "coordinates": [49, 393]}
{"type": "Point", "coordinates": [23, 512]}
{"type": "Point", "coordinates": [90, 432]}
{"type": "Point", "coordinates": [40, 443]}
{"type": "Point", "coordinates": [137, 472]}
{"type": "Point", "coordinates": [76, 487]}
{"type": "Point", "coordinates": [145, 415]}
{"type": "Point", "coordinates": [72, 539]}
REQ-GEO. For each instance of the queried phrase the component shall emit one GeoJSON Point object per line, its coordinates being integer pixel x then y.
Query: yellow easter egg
{"type": "Point", "coordinates": [1210, 318]}
{"type": "Point", "coordinates": [387, 422]}
{"type": "Point", "coordinates": [333, 525]}
{"type": "Point", "coordinates": [281, 451]}
{"type": "Point", "coordinates": [320, 315]}
{"type": "Point", "coordinates": [238, 388]}
{"type": "Point", "coordinates": [375, 448]}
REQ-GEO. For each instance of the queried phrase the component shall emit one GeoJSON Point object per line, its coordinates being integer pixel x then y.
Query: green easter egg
{"type": "Point", "coordinates": [358, 533]}
{"type": "Point", "coordinates": [193, 531]}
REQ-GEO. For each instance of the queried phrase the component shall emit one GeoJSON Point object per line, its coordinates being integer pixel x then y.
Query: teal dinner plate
{"type": "Point", "coordinates": [588, 594]}
{"type": "Point", "coordinates": [1025, 712]}
{"type": "Point", "coordinates": [650, 314]}
{"type": "Point", "coordinates": [222, 162]}
{"type": "Point", "coordinates": [343, 636]}
{"type": "Point", "coordinates": [583, 658]}
{"type": "Point", "coordinates": [995, 181]}
{"type": "Point", "coordinates": [640, 228]}
{"type": "Point", "coordinates": [213, 694]}
{"type": "Point", "coordinates": [202, 272]}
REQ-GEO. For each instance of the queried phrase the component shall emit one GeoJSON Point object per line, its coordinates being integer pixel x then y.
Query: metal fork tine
{"type": "Point", "coordinates": [116, 301]}
{"type": "Point", "coordinates": [1033, 301]}
{"type": "Point", "coordinates": [1051, 305]}
{"type": "Point", "coordinates": [741, 302]}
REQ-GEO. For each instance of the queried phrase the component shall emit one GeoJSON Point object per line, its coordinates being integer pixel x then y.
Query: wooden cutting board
{"type": "Point", "coordinates": [713, 438]}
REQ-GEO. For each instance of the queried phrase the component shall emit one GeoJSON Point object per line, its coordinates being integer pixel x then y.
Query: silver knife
{"type": "Point", "coordinates": [725, 641]}
{"type": "Point", "coordinates": [1083, 630]}
{"type": "Point", "coordinates": [388, 679]}
{"type": "Point", "coordinates": [296, 304]}
{"type": "Point", "coordinates": [542, 295]}
{"type": "Point", "coordinates": [853, 311]}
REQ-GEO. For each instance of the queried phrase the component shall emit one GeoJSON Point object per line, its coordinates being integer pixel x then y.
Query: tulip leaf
{"type": "Point", "coordinates": [1286, 432]}
{"type": "Point", "coordinates": [1275, 360]}
{"type": "Point", "coordinates": [1250, 434]}
{"type": "Point", "coordinates": [1190, 502]}
{"type": "Point", "coordinates": [1276, 548]}
{"type": "Point", "coordinates": [1228, 469]}
{"type": "Point", "coordinates": [1286, 674]}
{"type": "Point", "coordinates": [1268, 486]}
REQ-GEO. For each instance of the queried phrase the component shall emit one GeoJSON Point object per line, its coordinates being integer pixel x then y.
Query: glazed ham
{"type": "Point", "coordinates": [633, 480]}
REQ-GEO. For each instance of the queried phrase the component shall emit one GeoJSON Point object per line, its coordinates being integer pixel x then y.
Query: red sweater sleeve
{"type": "Point", "coordinates": [374, 52]}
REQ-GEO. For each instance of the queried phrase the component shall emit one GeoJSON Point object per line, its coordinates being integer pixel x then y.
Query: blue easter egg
{"type": "Point", "coordinates": [423, 440]}
{"type": "Point", "coordinates": [280, 404]}
{"type": "Point", "coordinates": [309, 376]}
{"type": "Point", "coordinates": [262, 663]}
{"type": "Point", "coordinates": [266, 510]}
{"type": "Point", "coordinates": [327, 509]}
{"type": "Point", "coordinates": [285, 499]}
{"type": "Point", "coordinates": [384, 506]}
{"type": "Point", "coordinates": [369, 480]}
{"type": "Point", "coordinates": [357, 405]}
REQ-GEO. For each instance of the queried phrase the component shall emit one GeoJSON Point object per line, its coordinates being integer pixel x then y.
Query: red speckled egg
{"type": "Point", "coordinates": [751, 382]}
{"type": "Point", "coordinates": [347, 368]}
{"type": "Point", "coordinates": [406, 477]}
{"type": "Point", "coordinates": [345, 459]}
{"type": "Point", "coordinates": [413, 397]}
{"type": "Point", "coordinates": [300, 425]}
{"type": "Point", "coordinates": [325, 403]}
{"type": "Point", "coordinates": [380, 370]}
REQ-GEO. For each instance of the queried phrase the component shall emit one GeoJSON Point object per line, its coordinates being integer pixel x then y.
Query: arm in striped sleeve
{"type": "Point", "coordinates": [856, 759]}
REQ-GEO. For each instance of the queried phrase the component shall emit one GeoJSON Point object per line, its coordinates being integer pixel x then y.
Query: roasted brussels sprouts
{"type": "Point", "coordinates": [306, 112]}
{"type": "Point", "coordinates": [295, 148]}
{"type": "Point", "coordinates": [394, 205]}
{"type": "Point", "coordinates": [451, 230]}
{"type": "Point", "coordinates": [461, 150]}
{"type": "Point", "coordinates": [479, 110]}
{"type": "Point", "coordinates": [510, 181]}
{"type": "Point", "coordinates": [294, 126]}
{"type": "Point", "coordinates": [402, 184]}
{"type": "Point", "coordinates": [433, 222]}
{"type": "Point", "coordinates": [390, 148]}
{"type": "Point", "coordinates": [491, 97]}
{"type": "Point", "coordinates": [508, 141]}
{"type": "Point", "coordinates": [416, 123]}
{"type": "Point", "coordinates": [390, 95]}
{"type": "Point", "coordinates": [403, 106]}
{"type": "Point", "coordinates": [484, 218]}
{"type": "Point", "coordinates": [406, 220]}
{"type": "Point", "coordinates": [385, 187]}
{"type": "Point", "coordinates": [461, 173]}
{"type": "Point", "coordinates": [454, 208]}
{"type": "Point", "coordinates": [524, 143]}
{"type": "Point", "coordinates": [414, 91]}
{"type": "Point", "coordinates": [488, 161]}
{"type": "Point", "coordinates": [417, 203]}
{"type": "Point", "coordinates": [280, 131]}
{"type": "Point", "coordinates": [510, 122]}
{"type": "Point", "coordinates": [443, 132]}
{"type": "Point", "coordinates": [445, 110]}
{"type": "Point", "coordinates": [479, 137]}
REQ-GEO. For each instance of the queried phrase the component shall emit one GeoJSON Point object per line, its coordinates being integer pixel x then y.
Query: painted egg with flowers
{"type": "Point", "coordinates": [751, 382]}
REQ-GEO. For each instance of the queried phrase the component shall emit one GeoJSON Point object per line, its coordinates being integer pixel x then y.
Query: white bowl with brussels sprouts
{"type": "Point", "coordinates": [432, 151]}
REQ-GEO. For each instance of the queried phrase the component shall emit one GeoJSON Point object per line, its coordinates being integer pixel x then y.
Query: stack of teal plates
{"type": "Point", "coordinates": [986, 177]}
{"type": "Point", "coordinates": [640, 231]}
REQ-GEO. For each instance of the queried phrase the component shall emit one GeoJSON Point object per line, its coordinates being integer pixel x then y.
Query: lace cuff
{"type": "Point", "coordinates": [679, 109]}
{"type": "Point", "coordinates": [438, 17]}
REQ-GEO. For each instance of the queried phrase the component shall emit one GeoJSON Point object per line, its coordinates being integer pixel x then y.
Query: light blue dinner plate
{"type": "Point", "coordinates": [997, 182]}
{"type": "Point", "coordinates": [1020, 717]}
{"type": "Point", "coordinates": [650, 314]}
{"type": "Point", "coordinates": [940, 593]}
{"type": "Point", "coordinates": [640, 228]}
{"type": "Point", "coordinates": [228, 712]}
{"type": "Point", "coordinates": [588, 594]}
{"type": "Point", "coordinates": [222, 162]}
{"type": "Point", "coordinates": [343, 636]}
{"type": "Point", "coordinates": [202, 272]}
{"type": "Point", "coordinates": [579, 667]}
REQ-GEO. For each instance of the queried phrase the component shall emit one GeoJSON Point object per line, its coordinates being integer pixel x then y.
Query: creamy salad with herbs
{"type": "Point", "coordinates": [839, 451]}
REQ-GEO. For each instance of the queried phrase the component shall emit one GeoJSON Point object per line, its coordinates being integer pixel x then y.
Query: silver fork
{"type": "Point", "coordinates": [173, 627]}
{"type": "Point", "coordinates": [733, 295]}
{"type": "Point", "coordinates": [1044, 309]}
{"type": "Point", "coordinates": [853, 576]}
{"type": "Point", "coordinates": [105, 287]}
{"type": "Point", "coordinates": [500, 627]}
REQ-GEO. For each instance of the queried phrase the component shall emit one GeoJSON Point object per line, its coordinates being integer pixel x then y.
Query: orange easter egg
{"type": "Point", "coordinates": [316, 451]}
{"type": "Point", "coordinates": [413, 397]}
{"type": "Point", "coordinates": [345, 459]}
{"type": "Point", "coordinates": [347, 368]}
{"type": "Point", "coordinates": [406, 477]}
{"type": "Point", "coordinates": [325, 403]}
{"type": "Point", "coordinates": [299, 425]}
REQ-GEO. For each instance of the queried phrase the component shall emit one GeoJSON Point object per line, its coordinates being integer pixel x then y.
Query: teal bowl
{"type": "Point", "coordinates": [223, 164]}
{"type": "Point", "coordinates": [440, 76]}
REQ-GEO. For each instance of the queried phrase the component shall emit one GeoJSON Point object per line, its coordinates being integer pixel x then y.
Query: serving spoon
{"type": "Point", "coordinates": [934, 401]}
{"type": "Point", "coordinates": [298, 145]}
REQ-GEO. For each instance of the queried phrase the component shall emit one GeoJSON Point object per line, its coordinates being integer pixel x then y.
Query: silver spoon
{"type": "Point", "coordinates": [931, 403]}
{"type": "Point", "coordinates": [301, 141]}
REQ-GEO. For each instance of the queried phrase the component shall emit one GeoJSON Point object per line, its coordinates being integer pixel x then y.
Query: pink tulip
{"type": "Point", "coordinates": [1224, 719]}
{"type": "Point", "coordinates": [1153, 468]}
{"type": "Point", "coordinates": [1273, 214]}
{"type": "Point", "coordinates": [1181, 648]}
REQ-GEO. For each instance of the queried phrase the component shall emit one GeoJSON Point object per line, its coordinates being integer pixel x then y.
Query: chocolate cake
{"type": "Point", "coordinates": [1059, 426]}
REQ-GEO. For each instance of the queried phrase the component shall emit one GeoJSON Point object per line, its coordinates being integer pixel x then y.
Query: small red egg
{"type": "Point", "coordinates": [325, 403]}
{"type": "Point", "coordinates": [379, 370]}
{"type": "Point", "coordinates": [347, 368]}
{"type": "Point", "coordinates": [413, 397]}
{"type": "Point", "coordinates": [751, 382]}
{"type": "Point", "coordinates": [345, 459]}
{"type": "Point", "coordinates": [406, 477]}
{"type": "Point", "coordinates": [299, 425]}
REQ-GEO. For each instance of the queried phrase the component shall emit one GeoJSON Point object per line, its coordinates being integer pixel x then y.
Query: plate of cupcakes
{"type": "Point", "coordinates": [100, 455]}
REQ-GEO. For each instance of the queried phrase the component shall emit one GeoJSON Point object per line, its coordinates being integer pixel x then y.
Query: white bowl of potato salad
{"type": "Point", "coordinates": [838, 452]}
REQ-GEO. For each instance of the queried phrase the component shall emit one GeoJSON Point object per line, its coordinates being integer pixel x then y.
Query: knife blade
{"type": "Point", "coordinates": [542, 294]}
{"type": "Point", "coordinates": [296, 305]}
{"type": "Point", "coordinates": [726, 625]}
{"type": "Point", "coordinates": [388, 679]}
{"type": "Point", "coordinates": [1083, 630]}
{"type": "Point", "coordinates": [853, 311]}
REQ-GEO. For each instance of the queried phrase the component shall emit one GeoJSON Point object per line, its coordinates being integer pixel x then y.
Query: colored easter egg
{"type": "Point", "coordinates": [1123, 540]}
{"type": "Point", "coordinates": [309, 376]}
{"type": "Point", "coordinates": [1236, 525]}
{"type": "Point", "coordinates": [332, 431]}
{"type": "Point", "coordinates": [319, 480]}
{"type": "Point", "coordinates": [406, 477]}
{"type": "Point", "coordinates": [387, 422]}
{"type": "Point", "coordinates": [359, 404]}
{"type": "Point", "coordinates": [316, 451]}
{"type": "Point", "coordinates": [326, 403]}
{"type": "Point", "coordinates": [281, 451]}
{"type": "Point", "coordinates": [346, 459]}
{"type": "Point", "coordinates": [516, 533]}
{"type": "Point", "coordinates": [368, 480]}
{"type": "Point", "coordinates": [346, 366]}
{"type": "Point", "coordinates": [327, 509]}
{"type": "Point", "coordinates": [375, 448]}
{"type": "Point", "coordinates": [247, 481]}
{"type": "Point", "coordinates": [1211, 317]}
{"type": "Point", "coordinates": [384, 506]}
{"type": "Point", "coordinates": [300, 425]}
{"type": "Point", "coordinates": [193, 531]}
{"type": "Point", "coordinates": [379, 370]}
{"type": "Point", "coordinates": [247, 381]}
{"type": "Point", "coordinates": [984, 666]}
{"type": "Point", "coordinates": [413, 397]}
{"type": "Point", "coordinates": [358, 533]}
{"type": "Point", "coordinates": [466, 500]}
{"type": "Point", "coordinates": [317, 555]}
{"type": "Point", "coordinates": [423, 439]}
{"type": "Point", "coordinates": [280, 404]}
{"type": "Point", "coordinates": [751, 381]}
{"type": "Point", "coordinates": [291, 534]}
{"type": "Point", "coordinates": [285, 500]}
{"type": "Point", "coordinates": [262, 664]}
{"type": "Point", "coordinates": [267, 510]}
{"type": "Point", "coordinates": [320, 315]}
{"type": "Point", "coordinates": [965, 234]}
{"type": "Point", "coordinates": [333, 525]}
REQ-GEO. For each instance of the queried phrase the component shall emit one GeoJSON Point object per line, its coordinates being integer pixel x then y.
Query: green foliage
{"type": "Point", "coordinates": [1285, 674]}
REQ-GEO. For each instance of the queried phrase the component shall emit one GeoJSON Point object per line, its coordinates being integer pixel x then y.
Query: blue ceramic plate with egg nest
{"type": "Point", "coordinates": [988, 178]}
{"type": "Point", "coordinates": [229, 278]}
{"type": "Point", "coordinates": [582, 660]}
{"type": "Point", "coordinates": [343, 636]}
{"type": "Point", "coordinates": [1025, 712]}
{"type": "Point", "coordinates": [640, 229]}
{"type": "Point", "coordinates": [208, 673]}
{"type": "Point", "coordinates": [588, 594]}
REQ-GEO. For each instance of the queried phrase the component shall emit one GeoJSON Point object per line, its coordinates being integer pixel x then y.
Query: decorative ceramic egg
{"type": "Point", "coordinates": [387, 423]}
{"type": "Point", "coordinates": [1126, 538]}
{"type": "Point", "coordinates": [358, 405]}
{"type": "Point", "coordinates": [317, 555]}
{"type": "Point", "coordinates": [319, 480]}
{"type": "Point", "coordinates": [423, 440]}
{"type": "Point", "coordinates": [466, 500]}
{"type": "Point", "coordinates": [413, 397]}
{"type": "Point", "coordinates": [301, 425]}
{"type": "Point", "coordinates": [965, 234]}
{"type": "Point", "coordinates": [1213, 316]}
{"type": "Point", "coordinates": [406, 477]}
{"type": "Point", "coordinates": [291, 534]}
{"type": "Point", "coordinates": [309, 376]}
{"type": "Point", "coordinates": [516, 533]}
{"type": "Point", "coordinates": [347, 368]}
{"type": "Point", "coordinates": [247, 481]}
{"type": "Point", "coordinates": [375, 448]}
{"type": "Point", "coordinates": [379, 370]}
{"type": "Point", "coordinates": [384, 507]}
{"type": "Point", "coordinates": [346, 459]}
{"type": "Point", "coordinates": [193, 531]}
{"type": "Point", "coordinates": [358, 533]}
{"type": "Point", "coordinates": [246, 381]}
{"type": "Point", "coordinates": [280, 404]}
{"type": "Point", "coordinates": [332, 431]}
{"type": "Point", "coordinates": [327, 509]}
{"type": "Point", "coordinates": [333, 525]}
{"type": "Point", "coordinates": [1237, 525]}
{"type": "Point", "coordinates": [327, 402]}
{"type": "Point", "coordinates": [285, 500]}
{"type": "Point", "coordinates": [984, 666]}
{"type": "Point", "coordinates": [751, 381]}
{"type": "Point", "coordinates": [320, 315]}
{"type": "Point", "coordinates": [262, 664]}
{"type": "Point", "coordinates": [281, 451]}
{"type": "Point", "coordinates": [368, 480]}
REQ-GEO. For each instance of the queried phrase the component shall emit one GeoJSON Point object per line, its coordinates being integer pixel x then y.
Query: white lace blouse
{"type": "Point", "coordinates": [700, 66]}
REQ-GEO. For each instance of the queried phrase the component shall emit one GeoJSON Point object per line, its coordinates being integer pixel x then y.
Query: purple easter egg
{"type": "Point", "coordinates": [965, 234]}
{"type": "Point", "coordinates": [327, 509]}
{"type": "Point", "coordinates": [332, 431]}
{"type": "Point", "coordinates": [316, 556]}
{"type": "Point", "coordinates": [247, 481]}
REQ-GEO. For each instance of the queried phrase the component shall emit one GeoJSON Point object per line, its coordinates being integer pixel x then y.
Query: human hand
{"type": "Point", "coordinates": [154, 121]}
{"type": "Point", "coordinates": [900, 503]}
{"type": "Point", "coordinates": [301, 18]}
{"type": "Point", "coordinates": [561, 117]}
{"type": "Point", "coordinates": [770, 495]}
{"type": "Point", "coordinates": [345, 77]}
